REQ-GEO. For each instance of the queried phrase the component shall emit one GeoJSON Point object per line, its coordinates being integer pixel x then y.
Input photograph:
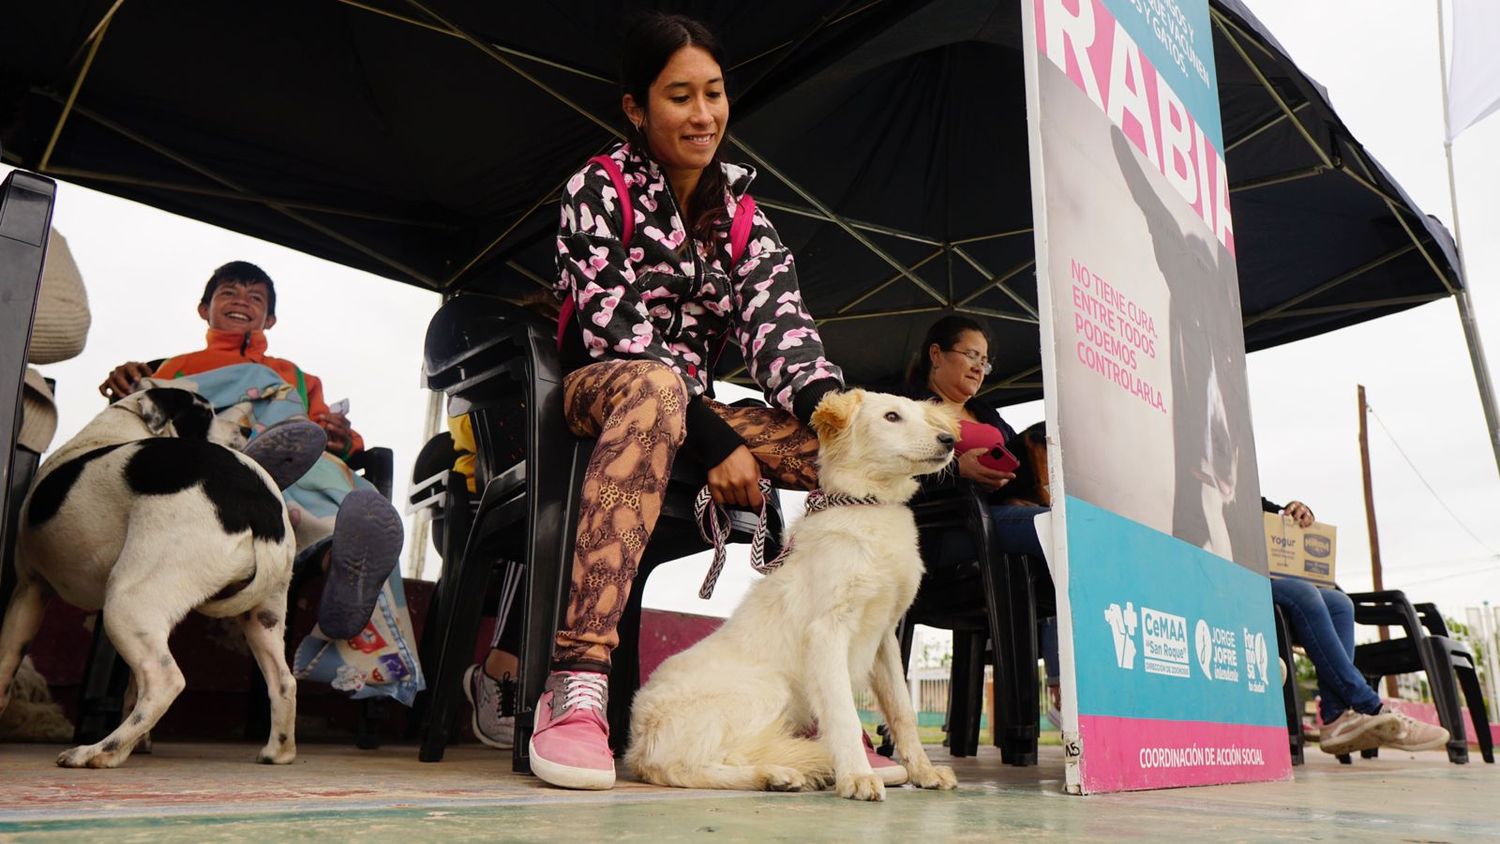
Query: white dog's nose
{"type": "Point", "coordinates": [946, 439]}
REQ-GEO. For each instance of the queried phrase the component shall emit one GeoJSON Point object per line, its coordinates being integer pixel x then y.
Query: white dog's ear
{"type": "Point", "coordinates": [835, 413]}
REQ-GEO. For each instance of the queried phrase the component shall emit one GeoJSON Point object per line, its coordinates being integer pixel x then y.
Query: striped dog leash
{"type": "Point", "coordinates": [713, 526]}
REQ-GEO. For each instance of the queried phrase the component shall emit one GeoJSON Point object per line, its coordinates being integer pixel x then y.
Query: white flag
{"type": "Point", "coordinates": [1474, 78]}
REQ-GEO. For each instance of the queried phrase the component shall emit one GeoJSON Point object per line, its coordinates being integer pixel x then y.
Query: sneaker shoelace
{"type": "Point", "coordinates": [1406, 721]}
{"type": "Point", "coordinates": [584, 691]}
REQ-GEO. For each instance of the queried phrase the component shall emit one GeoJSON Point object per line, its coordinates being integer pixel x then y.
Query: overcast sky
{"type": "Point", "coordinates": [145, 270]}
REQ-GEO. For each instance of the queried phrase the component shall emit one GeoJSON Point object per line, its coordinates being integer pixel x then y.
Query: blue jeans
{"type": "Point", "coordinates": [1323, 622]}
{"type": "Point", "coordinates": [1015, 533]}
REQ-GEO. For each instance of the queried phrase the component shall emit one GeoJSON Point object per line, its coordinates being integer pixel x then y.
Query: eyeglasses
{"type": "Point", "coordinates": [975, 359]}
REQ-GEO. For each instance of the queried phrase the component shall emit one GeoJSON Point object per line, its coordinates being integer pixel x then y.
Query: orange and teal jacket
{"type": "Point", "coordinates": [230, 348]}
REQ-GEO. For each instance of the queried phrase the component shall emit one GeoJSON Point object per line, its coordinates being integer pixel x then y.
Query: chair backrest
{"type": "Point", "coordinates": [25, 222]}
{"type": "Point", "coordinates": [378, 466]}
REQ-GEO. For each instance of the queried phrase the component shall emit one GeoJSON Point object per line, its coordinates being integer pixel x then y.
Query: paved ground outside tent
{"type": "Point", "coordinates": [210, 792]}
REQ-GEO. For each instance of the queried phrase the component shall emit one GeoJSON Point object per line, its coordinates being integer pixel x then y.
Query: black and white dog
{"type": "Point", "coordinates": [149, 513]}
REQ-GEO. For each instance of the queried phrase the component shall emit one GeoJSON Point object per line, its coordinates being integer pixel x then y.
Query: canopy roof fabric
{"type": "Point", "coordinates": [425, 141]}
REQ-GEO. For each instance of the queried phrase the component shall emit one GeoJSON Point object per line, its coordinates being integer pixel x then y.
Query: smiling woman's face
{"type": "Point", "coordinates": [688, 110]}
{"type": "Point", "coordinates": [236, 306]}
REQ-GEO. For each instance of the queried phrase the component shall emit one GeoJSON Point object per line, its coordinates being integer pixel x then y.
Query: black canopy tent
{"type": "Point", "coordinates": [425, 141]}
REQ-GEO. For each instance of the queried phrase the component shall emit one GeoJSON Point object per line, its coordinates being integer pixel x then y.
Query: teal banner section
{"type": "Point", "coordinates": [1176, 36]}
{"type": "Point", "coordinates": [1165, 630]}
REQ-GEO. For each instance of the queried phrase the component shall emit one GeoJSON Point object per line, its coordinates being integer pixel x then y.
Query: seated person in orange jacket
{"type": "Point", "coordinates": [239, 305]}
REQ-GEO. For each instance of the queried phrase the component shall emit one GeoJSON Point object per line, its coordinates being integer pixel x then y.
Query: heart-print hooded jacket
{"type": "Point", "coordinates": [667, 297]}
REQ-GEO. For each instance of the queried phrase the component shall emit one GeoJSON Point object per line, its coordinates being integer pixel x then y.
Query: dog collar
{"type": "Point", "coordinates": [819, 500]}
{"type": "Point", "coordinates": [713, 525]}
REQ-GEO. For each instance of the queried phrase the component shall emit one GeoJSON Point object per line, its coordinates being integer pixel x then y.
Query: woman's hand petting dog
{"type": "Point", "coordinates": [970, 467]}
{"type": "Point", "coordinates": [735, 482]}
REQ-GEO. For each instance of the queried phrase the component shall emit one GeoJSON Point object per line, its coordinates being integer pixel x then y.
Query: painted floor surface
{"type": "Point", "coordinates": [214, 792]}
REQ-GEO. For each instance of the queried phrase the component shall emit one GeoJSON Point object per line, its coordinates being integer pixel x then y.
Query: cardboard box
{"type": "Point", "coordinates": [1307, 553]}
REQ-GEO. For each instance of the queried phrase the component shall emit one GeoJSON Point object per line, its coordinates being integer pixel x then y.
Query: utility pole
{"type": "Point", "coordinates": [1364, 465]}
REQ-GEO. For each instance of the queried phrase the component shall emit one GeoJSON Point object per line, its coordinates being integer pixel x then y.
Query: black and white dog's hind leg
{"type": "Point", "coordinates": [138, 617]}
{"type": "Point", "coordinates": [265, 631]}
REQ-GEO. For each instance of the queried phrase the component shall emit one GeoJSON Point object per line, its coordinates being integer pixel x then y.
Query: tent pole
{"type": "Point", "coordinates": [833, 217]}
{"type": "Point", "coordinates": [1326, 286]}
{"type": "Point", "coordinates": [1461, 297]}
{"type": "Point", "coordinates": [95, 39]}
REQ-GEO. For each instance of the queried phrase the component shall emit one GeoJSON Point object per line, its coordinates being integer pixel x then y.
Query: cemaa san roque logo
{"type": "Point", "coordinates": [1122, 624]}
{"type": "Point", "coordinates": [1218, 652]}
{"type": "Point", "coordinates": [1165, 643]}
{"type": "Point", "coordinates": [1257, 660]}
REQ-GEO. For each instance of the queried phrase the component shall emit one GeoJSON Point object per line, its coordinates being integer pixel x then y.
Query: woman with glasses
{"type": "Point", "coordinates": [950, 367]}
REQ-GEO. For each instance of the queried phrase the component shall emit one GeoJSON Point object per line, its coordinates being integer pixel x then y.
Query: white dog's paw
{"type": "Point", "coordinates": [279, 750]}
{"type": "Point", "coordinates": [91, 756]}
{"type": "Point", "coordinates": [782, 778]}
{"type": "Point", "coordinates": [861, 787]}
{"type": "Point", "coordinates": [933, 776]}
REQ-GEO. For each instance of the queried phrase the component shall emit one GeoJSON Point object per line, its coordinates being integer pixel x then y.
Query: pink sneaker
{"type": "Point", "coordinates": [889, 770]}
{"type": "Point", "coordinates": [570, 737]}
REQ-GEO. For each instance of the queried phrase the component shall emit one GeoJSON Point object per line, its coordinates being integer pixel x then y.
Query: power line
{"type": "Point", "coordinates": [1418, 473]}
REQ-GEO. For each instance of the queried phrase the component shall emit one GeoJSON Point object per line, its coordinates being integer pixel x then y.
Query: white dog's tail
{"type": "Point", "coordinates": [273, 572]}
{"type": "Point", "coordinates": [772, 761]}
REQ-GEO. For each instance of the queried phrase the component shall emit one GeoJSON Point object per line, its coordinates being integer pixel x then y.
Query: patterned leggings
{"type": "Point", "coordinates": [637, 411]}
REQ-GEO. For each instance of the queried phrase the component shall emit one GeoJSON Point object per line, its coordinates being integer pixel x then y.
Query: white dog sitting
{"type": "Point", "coordinates": [736, 710]}
{"type": "Point", "coordinates": [148, 514]}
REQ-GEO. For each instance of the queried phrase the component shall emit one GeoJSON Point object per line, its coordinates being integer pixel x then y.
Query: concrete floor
{"type": "Point", "coordinates": [212, 792]}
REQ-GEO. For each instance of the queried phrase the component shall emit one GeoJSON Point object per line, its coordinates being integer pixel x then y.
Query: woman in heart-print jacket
{"type": "Point", "coordinates": [649, 303]}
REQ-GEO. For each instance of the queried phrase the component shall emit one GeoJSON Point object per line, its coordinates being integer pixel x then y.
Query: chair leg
{"type": "Point", "coordinates": [552, 521]}
{"type": "Point", "coordinates": [458, 520]}
{"type": "Point", "coordinates": [625, 668]}
{"type": "Point", "coordinates": [372, 712]}
{"type": "Point", "coordinates": [101, 699]}
{"type": "Point", "coordinates": [1013, 626]}
{"type": "Point", "coordinates": [967, 672]}
{"type": "Point", "coordinates": [1445, 696]}
{"type": "Point", "coordinates": [1468, 681]}
{"type": "Point", "coordinates": [456, 649]}
{"type": "Point", "coordinates": [1290, 698]}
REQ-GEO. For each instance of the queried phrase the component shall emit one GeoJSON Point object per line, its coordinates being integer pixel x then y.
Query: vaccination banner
{"type": "Point", "coordinates": [1170, 673]}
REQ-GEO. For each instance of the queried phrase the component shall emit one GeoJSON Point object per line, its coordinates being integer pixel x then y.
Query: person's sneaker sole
{"type": "Point", "coordinates": [287, 450]}
{"type": "Point", "coordinates": [499, 744]}
{"type": "Point", "coordinates": [1377, 734]}
{"type": "Point", "coordinates": [565, 776]}
{"type": "Point", "coordinates": [366, 547]}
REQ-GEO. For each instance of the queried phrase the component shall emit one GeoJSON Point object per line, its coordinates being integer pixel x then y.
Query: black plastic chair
{"type": "Point", "coordinates": [25, 223]}
{"type": "Point", "coordinates": [992, 598]}
{"type": "Point", "coordinates": [1426, 648]}
{"type": "Point", "coordinates": [487, 355]}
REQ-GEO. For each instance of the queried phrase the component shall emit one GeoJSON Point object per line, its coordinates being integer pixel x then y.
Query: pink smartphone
{"type": "Point", "coordinates": [999, 459]}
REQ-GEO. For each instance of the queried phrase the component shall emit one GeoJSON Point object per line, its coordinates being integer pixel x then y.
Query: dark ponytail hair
{"type": "Point", "coordinates": [945, 333]}
{"type": "Point", "coordinates": [650, 41]}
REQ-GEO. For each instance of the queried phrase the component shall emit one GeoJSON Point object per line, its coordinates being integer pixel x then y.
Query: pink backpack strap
{"type": "Point", "coordinates": [739, 238]}
{"type": "Point", "coordinates": [739, 230]}
{"type": "Point", "coordinates": [627, 231]}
